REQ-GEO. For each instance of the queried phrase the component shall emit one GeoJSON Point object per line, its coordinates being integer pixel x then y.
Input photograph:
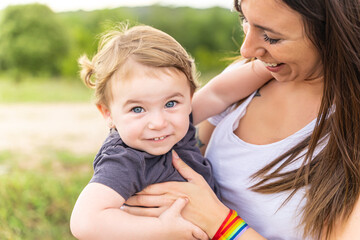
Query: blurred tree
{"type": "Point", "coordinates": [36, 40]}
{"type": "Point", "coordinates": [211, 35]}
{"type": "Point", "coordinates": [32, 40]}
{"type": "Point", "coordinates": [85, 28]}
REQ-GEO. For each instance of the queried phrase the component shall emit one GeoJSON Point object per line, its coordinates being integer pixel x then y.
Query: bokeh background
{"type": "Point", "coordinates": [50, 129]}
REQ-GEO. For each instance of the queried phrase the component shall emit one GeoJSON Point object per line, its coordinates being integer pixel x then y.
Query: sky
{"type": "Point", "coordinates": [87, 5]}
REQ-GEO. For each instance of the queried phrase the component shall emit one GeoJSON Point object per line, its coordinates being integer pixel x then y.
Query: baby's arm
{"type": "Point", "coordinates": [97, 215]}
{"type": "Point", "coordinates": [227, 88]}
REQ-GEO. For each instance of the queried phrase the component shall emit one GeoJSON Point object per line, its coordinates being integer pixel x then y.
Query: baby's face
{"type": "Point", "coordinates": [150, 108]}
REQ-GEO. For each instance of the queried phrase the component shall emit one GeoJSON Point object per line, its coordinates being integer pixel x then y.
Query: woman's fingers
{"type": "Point", "coordinates": [177, 207]}
{"type": "Point", "coordinates": [148, 205]}
{"type": "Point", "coordinates": [142, 211]}
{"type": "Point", "coordinates": [200, 234]}
{"type": "Point", "coordinates": [150, 200]}
{"type": "Point", "coordinates": [175, 212]}
{"type": "Point", "coordinates": [185, 171]}
{"type": "Point", "coordinates": [173, 189]}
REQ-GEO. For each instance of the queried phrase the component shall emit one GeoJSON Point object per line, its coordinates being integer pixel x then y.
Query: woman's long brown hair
{"type": "Point", "coordinates": [332, 176]}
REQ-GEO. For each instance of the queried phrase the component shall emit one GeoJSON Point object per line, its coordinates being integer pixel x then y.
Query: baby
{"type": "Point", "coordinates": [144, 82]}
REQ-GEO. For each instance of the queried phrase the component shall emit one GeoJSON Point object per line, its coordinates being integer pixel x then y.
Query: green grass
{"type": "Point", "coordinates": [43, 90]}
{"type": "Point", "coordinates": [38, 194]}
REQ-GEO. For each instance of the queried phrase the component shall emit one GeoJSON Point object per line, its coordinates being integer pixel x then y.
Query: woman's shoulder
{"type": "Point", "coordinates": [238, 106]}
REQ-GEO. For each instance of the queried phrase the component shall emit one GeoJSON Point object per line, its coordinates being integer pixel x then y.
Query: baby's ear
{"type": "Point", "coordinates": [105, 112]}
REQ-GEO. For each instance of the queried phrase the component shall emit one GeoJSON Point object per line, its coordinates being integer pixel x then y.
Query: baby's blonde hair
{"type": "Point", "coordinates": [143, 44]}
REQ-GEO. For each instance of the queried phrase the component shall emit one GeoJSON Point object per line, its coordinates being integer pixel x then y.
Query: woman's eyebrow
{"type": "Point", "coordinates": [268, 29]}
{"type": "Point", "coordinates": [241, 15]}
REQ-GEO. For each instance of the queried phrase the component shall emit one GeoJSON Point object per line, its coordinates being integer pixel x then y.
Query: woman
{"type": "Point", "coordinates": [287, 159]}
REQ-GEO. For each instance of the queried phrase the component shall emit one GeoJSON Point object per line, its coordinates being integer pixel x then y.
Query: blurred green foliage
{"type": "Point", "coordinates": [38, 194]}
{"type": "Point", "coordinates": [36, 41]}
{"type": "Point", "coordinates": [32, 40]}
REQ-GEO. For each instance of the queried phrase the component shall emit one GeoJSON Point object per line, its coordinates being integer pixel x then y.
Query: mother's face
{"type": "Point", "coordinates": [274, 33]}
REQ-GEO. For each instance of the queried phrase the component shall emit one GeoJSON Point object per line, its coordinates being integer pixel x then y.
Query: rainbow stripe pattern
{"type": "Point", "coordinates": [232, 227]}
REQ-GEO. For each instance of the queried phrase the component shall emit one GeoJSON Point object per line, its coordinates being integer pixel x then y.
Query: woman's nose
{"type": "Point", "coordinates": [253, 45]}
{"type": "Point", "coordinates": [157, 121]}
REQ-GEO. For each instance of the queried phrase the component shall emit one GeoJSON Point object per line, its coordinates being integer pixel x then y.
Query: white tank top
{"type": "Point", "coordinates": [234, 161]}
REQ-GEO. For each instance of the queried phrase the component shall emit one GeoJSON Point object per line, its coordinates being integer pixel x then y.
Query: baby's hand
{"type": "Point", "coordinates": [178, 226]}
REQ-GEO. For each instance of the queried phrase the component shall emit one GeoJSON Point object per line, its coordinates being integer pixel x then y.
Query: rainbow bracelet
{"type": "Point", "coordinates": [232, 227]}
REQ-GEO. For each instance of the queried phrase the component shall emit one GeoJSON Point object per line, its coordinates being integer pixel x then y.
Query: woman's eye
{"type": "Point", "coordinates": [170, 104]}
{"type": "Point", "coordinates": [244, 24]}
{"type": "Point", "coordinates": [270, 40]}
{"type": "Point", "coordinates": [243, 20]}
{"type": "Point", "coordinates": [137, 110]}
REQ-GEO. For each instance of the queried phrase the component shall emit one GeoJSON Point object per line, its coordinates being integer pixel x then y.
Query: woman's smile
{"type": "Point", "coordinates": [273, 67]}
{"type": "Point", "coordinates": [286, 51]}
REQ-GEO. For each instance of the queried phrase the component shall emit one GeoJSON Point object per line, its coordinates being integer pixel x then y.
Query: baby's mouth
{"type": "Point", "coordinates": [159, 138]}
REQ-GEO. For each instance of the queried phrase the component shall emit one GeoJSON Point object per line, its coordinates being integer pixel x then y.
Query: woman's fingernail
{"type": "Point", "coordinates": [175, 154]}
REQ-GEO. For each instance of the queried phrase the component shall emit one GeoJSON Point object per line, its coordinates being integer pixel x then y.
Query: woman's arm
{"type": "Point", "coordinates": [97, 215]}
{"type": "Point", "coordinates": [203, 135]}
{"type": "Point", "coordinates": [232, 85]}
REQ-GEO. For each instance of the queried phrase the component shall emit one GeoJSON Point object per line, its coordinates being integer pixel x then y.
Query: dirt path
{"type": "Point", "coordinates": [30, 127]}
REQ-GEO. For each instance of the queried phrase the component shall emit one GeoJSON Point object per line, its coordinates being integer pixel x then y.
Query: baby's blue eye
{"type": "Point", "coordinates": [137, 110]}
{"type": "Point", "coordinates": [170, 104]}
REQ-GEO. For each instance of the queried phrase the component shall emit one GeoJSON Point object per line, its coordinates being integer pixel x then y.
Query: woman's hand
{"type": "Point", "coordinates": [178, 227]}
{"type": "Point", "coordinates": [148, 205]}
{"type": "Point", "coordinates": [204, 208]}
